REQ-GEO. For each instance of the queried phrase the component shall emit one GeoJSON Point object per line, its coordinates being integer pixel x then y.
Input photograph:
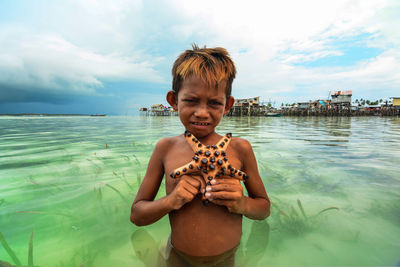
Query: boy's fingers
{"type": "Point", "coordinates": [190, 188]}
{"type": "Point", "coordinates": [222, 184]}
{"type": "Point", "coordinates": [225, 187]}
{"type": "Point", "coordinates": [191, 180]}
{"type": "Point", "coordinates": [198, 182]}
{"type": "Point", "coordinates": [229, 180]}
{"type": "Point", "coordinates": [202, 188]}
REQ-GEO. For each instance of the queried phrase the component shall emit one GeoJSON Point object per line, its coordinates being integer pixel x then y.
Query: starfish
{"type": "Point", "coordinates": [211, 161]}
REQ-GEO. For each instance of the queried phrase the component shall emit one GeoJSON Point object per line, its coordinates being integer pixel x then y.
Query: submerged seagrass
{"type": "Point", "coordinates": [60, 181]}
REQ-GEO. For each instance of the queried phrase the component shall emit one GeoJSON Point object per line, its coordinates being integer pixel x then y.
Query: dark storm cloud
{"type": "Point", "coordinates": [16, 94]}
{"type": "Point", "coordinates": [49, 68]}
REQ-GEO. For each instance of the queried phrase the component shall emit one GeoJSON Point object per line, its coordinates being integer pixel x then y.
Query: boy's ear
{"type": "Point", "coordinates": [229, 104]}
{"type": "Point", "coordinates": [172, 100]}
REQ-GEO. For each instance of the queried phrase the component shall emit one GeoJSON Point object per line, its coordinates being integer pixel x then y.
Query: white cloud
{"type": "Point", "coordinates": [50, 62]}
{"type": "Point", "coordinates": [279, 33]}
{"type": "Point", "coordinates": [91, 42]}
{"type": "Point", "coordinates": [376, 74]}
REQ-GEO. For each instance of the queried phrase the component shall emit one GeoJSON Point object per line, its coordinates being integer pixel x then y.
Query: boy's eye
{"type": "Point", "coordinates": [215, 103]}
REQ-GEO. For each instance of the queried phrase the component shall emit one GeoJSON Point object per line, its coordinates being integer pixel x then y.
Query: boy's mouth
{"type": "Point", "coordinates": [201, 123]}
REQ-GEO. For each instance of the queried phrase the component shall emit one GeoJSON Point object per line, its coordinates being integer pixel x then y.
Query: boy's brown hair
{"type": "Point", "coordinates": [212, 65]}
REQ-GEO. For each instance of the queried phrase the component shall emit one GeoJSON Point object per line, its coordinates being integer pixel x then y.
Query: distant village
{"type": "Point", "coordinates": [339, 103]}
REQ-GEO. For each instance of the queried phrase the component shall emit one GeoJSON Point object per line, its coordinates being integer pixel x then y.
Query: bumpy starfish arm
{"type": "Point", "coordinates": [238, 174]}
{"type": "Point", "coordinates": [224, 142]}
{"type": "Point", "coordinates": [193, 142]}
{"type": "Point", "coordinates": [191, 167]}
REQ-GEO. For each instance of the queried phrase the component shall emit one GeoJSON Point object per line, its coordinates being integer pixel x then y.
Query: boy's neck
{"type": "Point", "coordinates": [209, 139]}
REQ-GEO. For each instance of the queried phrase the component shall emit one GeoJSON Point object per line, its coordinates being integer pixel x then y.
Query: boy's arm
{"type": "Point", "coordinates": [145, 210]}
{"type": "Point", "coordinates": [229, 192]}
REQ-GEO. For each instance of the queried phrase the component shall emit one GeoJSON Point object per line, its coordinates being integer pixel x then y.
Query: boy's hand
{"type": "Point", "coordinates": [227, 192]}
{"type": "Point", "coordinates": [186, 189]}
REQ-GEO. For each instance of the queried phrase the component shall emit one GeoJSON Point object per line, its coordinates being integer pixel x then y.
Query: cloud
{"type": "Point", "coordinates": [277, 36]}
{"type": "Point", "coordinates": [89, 44]}
{"type": "Point", "coordinates": [14, 94]}
{"type": "Point", "coordinates": [49, 64]}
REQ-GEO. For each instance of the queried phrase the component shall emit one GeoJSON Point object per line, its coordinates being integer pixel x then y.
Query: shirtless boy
{"type": "Point", "coordinates": [201, 234]}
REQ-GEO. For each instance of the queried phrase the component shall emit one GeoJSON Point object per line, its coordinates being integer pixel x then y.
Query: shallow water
{"type": "Point", "coordinates": [71, 181]}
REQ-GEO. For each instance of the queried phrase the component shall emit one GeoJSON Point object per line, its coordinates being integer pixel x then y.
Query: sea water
{"type": "Point", "coordinates": [67, 184]}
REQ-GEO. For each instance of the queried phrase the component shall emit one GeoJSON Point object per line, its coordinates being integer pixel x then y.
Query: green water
{"type": "Point", "coordinates": [60, 181]}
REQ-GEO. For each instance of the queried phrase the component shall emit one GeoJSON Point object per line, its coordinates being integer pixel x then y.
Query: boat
{"type": "Point", "coordinates": [273, 114]}
{"type": "Point", "coordinates": [98, 115]}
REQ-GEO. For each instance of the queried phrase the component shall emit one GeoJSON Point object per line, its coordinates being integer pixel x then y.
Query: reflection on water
{"type": "Point", "coordinates": [252, 251]}
{"type": "Point", "coordinates": [146, 248]}
{"type": "Point", "coordinates": [71, 181]}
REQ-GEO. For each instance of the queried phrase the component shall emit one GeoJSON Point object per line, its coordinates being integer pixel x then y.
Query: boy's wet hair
{"type": "Point", "coordinates": [212, 65]}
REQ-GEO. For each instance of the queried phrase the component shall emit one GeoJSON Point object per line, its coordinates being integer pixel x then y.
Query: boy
{"type": "Point", "coordinates": [201, 234]}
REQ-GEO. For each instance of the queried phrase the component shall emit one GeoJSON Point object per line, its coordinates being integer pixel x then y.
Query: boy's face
{"type": "Point", "coordinates": [200, 107]}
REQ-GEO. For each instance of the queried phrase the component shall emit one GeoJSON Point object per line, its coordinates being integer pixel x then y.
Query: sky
{"type": "Point", "coordinates": [113, 57]}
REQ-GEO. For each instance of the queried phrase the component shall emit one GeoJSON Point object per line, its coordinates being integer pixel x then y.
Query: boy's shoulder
{"type": "Point", "coordinates": [167, 142]}
{"type": "Point", "coordinates": [241, 144]}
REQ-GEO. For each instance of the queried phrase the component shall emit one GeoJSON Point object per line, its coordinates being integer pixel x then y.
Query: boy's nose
{"type": "Point", "coordinates": [201, 111]}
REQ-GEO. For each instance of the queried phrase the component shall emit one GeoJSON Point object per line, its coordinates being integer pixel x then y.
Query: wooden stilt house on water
{"type": "Point", "coordinates": [341, 100]}
{"type": "Point", "coordinates": [160, 110]}
{"type": "Point", "coordinates": [144, 111]}
{"type": "Point", "coordinates": [157, 110]}
{"type": "Point", "coordinates": [247, 107]}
